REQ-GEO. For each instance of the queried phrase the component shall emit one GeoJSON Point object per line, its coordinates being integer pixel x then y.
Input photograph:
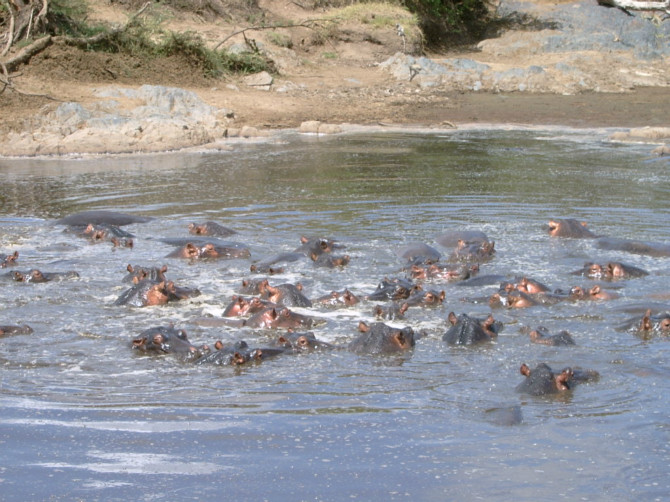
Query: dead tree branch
{"type": "Point", "coordinates": [311, 24]}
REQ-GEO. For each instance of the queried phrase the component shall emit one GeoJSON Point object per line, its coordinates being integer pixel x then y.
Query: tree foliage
{"type": "Point", "coordinates": [449, 22]}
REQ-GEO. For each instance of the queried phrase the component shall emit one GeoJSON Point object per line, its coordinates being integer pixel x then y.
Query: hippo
{"type": "Point", "coordinates": [425, 298]}
{"type": "Point", "coordinates": [466, 330]}
{"type": "Point", "coordinates": [379, 338]}
{"type": "Point", "coordinates": [610, 272]}
{"type": "Point", "coordinates": [147, 292]}
{"type": "Point", "coordinates": [327, 260]}
{"type": "Point", "coordinates": [138, 273]}
{"type": "Point", "coordinates": [210, 228]}
{"type": "Point", "coordinates": [270, 265]}
{"type": "Point", "coordinates": [251, 286]}
{"type": "Point", "coordinates": [9, 329]}
{"type": "Point", "coordinates": [542, 380]}
{"type": "Point", "coordinates": [301, 342]}
{"type": "Point", "coordinates": [344, 298]}
{"type": "Point", "coordinates": [241, 306]}
{"type": "Point", "coordinates": [8, 260]}
{"type": "Point", "coordinates": [525, 285]}
{"type": "Point", "coordinates": [287, 295]}
{"type": "Point", "coordinates": [237, 354]}
{"type": "Point", "coordinates": [167, 340]}
{"type": "Point", "coordinates": [419, 253]}
{"type": "Point", "coordinates": [38, 276]}
{"type": "Point", "coordinates": [513, 299]}
{"type": "Point", "coordinates": [594, 293]}
{"type": "Point", "coordinates": [449, 272]}
{"type": "Point", "coordinates": [102, 232]}
{"type": "Point", "coordinates": [469, 252]}
{"type": "Point", "coordinates": [316, 245]}
{"type": "Point", "coordinates": [209, 251]}
{"type": "Point", "coordinates": [84, 218]}
{"type": "Point", "coordinates": [393, 289]}
{"type": "Point", "coordinates": [450, 239]}
{"type": "Point", "coordinates": [541, 335]}
{"type": "Point", "coordinates": [176, 293]}
{"type": "Point", "coordinates": [284, 318]}
{"type": "Point", "coordinates": [391, 312]}
{"type": "Point", "coordinates": [651, 325]}
{"type": "Point", "coordinates": [655, 249]}
{"type": "Point", "coordinates": [569, 228]}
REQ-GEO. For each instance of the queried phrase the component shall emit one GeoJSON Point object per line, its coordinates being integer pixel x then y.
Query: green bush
{"type": "Point", "coordinates": [452, 22]}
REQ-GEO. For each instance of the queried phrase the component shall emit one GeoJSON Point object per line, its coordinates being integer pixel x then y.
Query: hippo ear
{"type": "Point", "coordinates": [404, 307]}
{"type": "Point", "coordinates": [252, 268]}
{"type": "Point", "coordinates": [129, 268]}
{"type": "Point", "coordinates": [561, 380]}
{"type": "Point", "coordinates": [218, 345]}
{"type": "Point", "coordinates": [363, 327]}
{"type": "Point", "coordinates": [303, 239]}
{"type": "Point", "coordinates": [139, 342]}
{"type": "Point", "coordinates": [442, 295]}
{"type": "Point", "coordinates": [594, 290]}
{"type": "Point", "coordinates": [299, 286]}
{"type": "Point", "coordinates": [313, 256]}
{"type": "Point", "coordinates": [645, 325]}
{"type": "Point", "coordinates": [524, 370]}
{"type": "Point", "coordinates": [399, 339]}
{"type": "Point", "coordinates": [452, 318]}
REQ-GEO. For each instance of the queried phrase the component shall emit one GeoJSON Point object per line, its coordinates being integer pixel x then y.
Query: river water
{"type": "Point", "coordinates": [83, 417]}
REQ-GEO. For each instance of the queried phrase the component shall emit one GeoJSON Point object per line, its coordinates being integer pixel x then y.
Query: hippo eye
{"type": "Point", "coordinates": [302, 341]}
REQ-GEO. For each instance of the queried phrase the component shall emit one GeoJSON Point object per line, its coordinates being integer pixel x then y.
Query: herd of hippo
{"type": "Point", "coordinates": [261, 305]}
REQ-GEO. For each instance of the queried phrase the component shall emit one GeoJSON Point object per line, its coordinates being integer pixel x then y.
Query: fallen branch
{"type": "Point", "coordinates": [27, 52]}
{"type": "Point", "coordinates": [305, 24]}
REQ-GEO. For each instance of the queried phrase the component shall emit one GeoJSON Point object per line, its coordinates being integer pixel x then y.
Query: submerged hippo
{"type": "Point", "coordinates": [8, 260]}
{"type": "Point", "coordinates": [344, 298]}
{"type": "Point", "coordinates": [541, 335]}
{"type": "Point", "coordinates": [316, 245]}
{"type": "Point", "coordinates": [466, 330]}
{"type": "Point", "coordinates": [610, 272]}
{"type": "Point", "coordinates": [138, 273]}
{"type": "Point", "coordinates": [379, 338]}
{"type": "Point", "coordinates": [450, 272]}
{"type": "Point", "coordinates": [287, 295]}
{"type": "Point", "coordinates": [167, 340]}
{"type": "Point", "coordinates": [471, 252]}
{"type": "Point", "coordinates": [84, 218]}
{"type": "Point", "coordinates": [451, 238]}
{"type": "Point", "coordinates": [301, 342]}
{"type": "Point", "coordinates": [393, 289]}
{"type": "Point", "coordinates": [569, 228]}
{"type": "Point", "coordinates": [37, 276]}
{"type": "Point", "coordinates": [542, 380]}
{"type": "Point", "coordinates": [210, 228]}
{"type": "Point", "coordinates": [418, 253]}
{"type": "Point", "coordinates": [655, 249]}
{"type": "Point", "coordinates": [197, 251]}
{"type": "Point", "coordinates": [9, 329]}
{"type": "Point", "coordinates": [274, 318]}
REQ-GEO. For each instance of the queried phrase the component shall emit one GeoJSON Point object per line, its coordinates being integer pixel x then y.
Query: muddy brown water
{"type": "Point", "coordinates": [83, 417]}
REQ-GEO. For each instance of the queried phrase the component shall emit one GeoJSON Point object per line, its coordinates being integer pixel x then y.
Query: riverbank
{"type": "Point", "coordinates": [582, 66]}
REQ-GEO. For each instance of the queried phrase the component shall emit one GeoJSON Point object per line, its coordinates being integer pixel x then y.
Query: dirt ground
{"type": "Point", "coordinates": [338, 82]}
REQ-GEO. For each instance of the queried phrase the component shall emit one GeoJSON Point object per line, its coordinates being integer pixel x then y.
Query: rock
{"type": "Point", "coordinates": [262, 80]}
{"type": "Point", "coordinates": [642, 134]}
{"type": "Point", "coordinates": [316, 127]}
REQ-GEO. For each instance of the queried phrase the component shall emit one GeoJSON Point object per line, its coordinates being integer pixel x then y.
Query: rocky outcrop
{"type": "Point", "coordinates": [148, 119]}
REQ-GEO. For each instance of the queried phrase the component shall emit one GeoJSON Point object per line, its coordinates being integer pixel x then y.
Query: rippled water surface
{"type": "Point", "coordinates": [83, 417]}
